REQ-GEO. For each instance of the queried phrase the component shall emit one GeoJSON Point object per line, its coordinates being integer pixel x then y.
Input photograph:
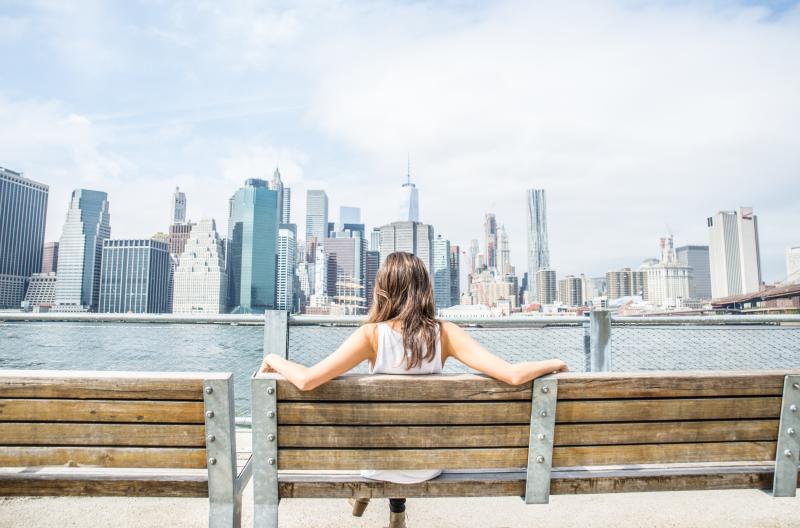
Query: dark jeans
{"type": "Point", "coordinates": [397, 505]}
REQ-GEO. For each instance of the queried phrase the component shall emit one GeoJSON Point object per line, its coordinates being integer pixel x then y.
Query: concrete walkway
{"type": "Point", "coordinates": [729, 509]}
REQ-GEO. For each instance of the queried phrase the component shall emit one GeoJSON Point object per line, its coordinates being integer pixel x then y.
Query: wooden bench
{"type": "Point", "coordinates": [564, 434]}
{"type": "Point", "coordinates": [121, 434]}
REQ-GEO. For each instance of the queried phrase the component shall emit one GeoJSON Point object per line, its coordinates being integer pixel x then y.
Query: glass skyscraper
{"type": "Point", "coordinates": [252, 253]}
{"type": "Point", "coordinates": [441, 272]}
{"type": "Point", "coordinates": [536, 221]}
{"type": "Point", "coordinates": [23, 209]}
{"type": "Point", "coordinates": [316, 221]}
{"type": "Point", "coordinates": [80, 251]}
{"type": "Point", "coordinates": [135, 276]}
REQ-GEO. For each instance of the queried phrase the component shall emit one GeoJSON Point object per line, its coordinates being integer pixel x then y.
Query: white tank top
{"type": "Point", "coordinates": [391, 359]}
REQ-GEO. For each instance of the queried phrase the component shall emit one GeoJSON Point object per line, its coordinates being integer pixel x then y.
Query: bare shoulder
{"type": "Point", "coordinates": [370, 332]}
{"type": "Point", "coordinates": [448, 328]}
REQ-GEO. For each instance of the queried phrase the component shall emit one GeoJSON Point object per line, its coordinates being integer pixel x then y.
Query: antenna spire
{"type": "Point", "coordinates": [408, 171]}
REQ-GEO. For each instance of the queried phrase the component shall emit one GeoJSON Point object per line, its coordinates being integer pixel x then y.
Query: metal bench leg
{"type": "Point", "coordinates": [224, 500]}
{"type": "Point", "coordinates": [540, 445]}
{"type": "Point", "coordinates": [788, 453]}
{"type": "Point", "coordinates": [265, 452]}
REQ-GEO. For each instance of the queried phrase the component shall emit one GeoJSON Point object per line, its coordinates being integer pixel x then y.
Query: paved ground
{"type": "Point", "coordinates": [729, 509]}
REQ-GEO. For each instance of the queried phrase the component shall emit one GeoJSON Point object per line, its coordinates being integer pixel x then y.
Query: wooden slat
{"type": "Point", "coordinates": [42, 410]}
{"type": "Point", "coordinates": [456, 436]}
{"type": "Point", "coordinates": [404, 413]}
{"type": "Point", "coordinates": [667, 409]}
{"type": "Point", "coordinates": [670, 384]}
{"type": "Point", "coordinates": [334, 459]}
{"type": "Point", "coordinates": [663, 453]}
{"type": "Point", "coordinates": [104, 385]}
{"type": "Point", "coordinates": [128, 457]}
{"type": "Point", "coordinates": [93, 434]}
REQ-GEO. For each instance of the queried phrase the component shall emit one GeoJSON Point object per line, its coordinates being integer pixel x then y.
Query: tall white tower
{"type": "Point", "coordinates": [409, 205]}
{"type": "Point", "coordinates": [177, 214]}
{"type": "Point", "coordinates": [538, 251]}
{"type": "Point", "coordinates": [734, 253]}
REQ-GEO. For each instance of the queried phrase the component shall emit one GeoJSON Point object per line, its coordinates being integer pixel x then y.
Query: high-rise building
{"type": "Point", "coordinates": [373, 263]}
{"type": "Point", "coordinates": [134, 277]}
{"type": "Point", "coordinates": [485, 287]}
{"type": "Point", "coordinates": [252, 252]}
{"type": "Point", "coordinates": [545, 286]}
{"type": "Point", "coordinates": [375, 239]}
{"type": "Point", "coordinates": [316, 221]}
{"type": "Point", "coordinates": [177, 213]}
{"type": "Point", "coordinates": [80, 251]}
{"type": "Point", "coordinates": [411, 237]}
{"type": "Point", "coordinates": [23, 211]}
{"type": "Point", "coordinates": [346, 267]}
{"type": "Point", "coordinates": [200, 283]}
{"type": "Point", "coordinates": [734, 253]}
{"type": "Point", "coordinates": [504, 266]}
{"type": "Point", "coordinates": [667, 279]}
{"type": "Point", "coordinates": [696, 257]}
{"type": "Point", "coordinates": [41, 294]}
{"type": "Point", "coordinates": [455, 275]}
{"type": "Point", "coordinates": [793, 265]}
{"type": "Point", "coordinates": [536, 222]}
{"type": "Point", "coordinates": [490, 240]}
{"type": "Point", "coordinates": [440, 272]}
{"type": "Point", "coordinates": [409, 204]}
{"type": "Point", "coordinates": [50, 257]}
{"type": "Point", "coordinates": [570, 291]}
{"type": "Point", "coordinates": [287, 240]}
{"type": "Point", "coordinates": [474, 265]}
{"type": "Point", "coordinates": [626, 283]}
{"type": "Point", "coordinates": [284, 197]}
{"type": "Point", "coordinates": [178, 235]}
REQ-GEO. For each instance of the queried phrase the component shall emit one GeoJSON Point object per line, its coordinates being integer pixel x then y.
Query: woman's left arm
{"type": "Point", "coordinates": [353, 351]}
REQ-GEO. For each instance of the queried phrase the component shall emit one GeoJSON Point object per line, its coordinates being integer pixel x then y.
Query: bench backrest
{"type": "Point", "coordinates": [473, 422]}
{"type": "Point", "coordinates": [113, 420]}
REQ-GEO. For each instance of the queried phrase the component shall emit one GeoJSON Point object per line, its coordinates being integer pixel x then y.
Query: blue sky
{"type": "Point", "coordinates": [637, 117]}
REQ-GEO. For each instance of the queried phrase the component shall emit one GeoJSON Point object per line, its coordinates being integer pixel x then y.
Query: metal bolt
{"type": "Point", "coordinates": [790, 431]}
{"type": "Point", "coordinates": [209, 414]}
{"type": "Point", "coordinates": [271, 437]}
{"type": "Point", "coordinates": [211, 438]}
{"type": "Point", "coordinates": [271, 414]}
{"type": "Point", "coordinates": [271, 461]}
{"type": "Point", "coordinates": [540, 459]}
{"type": "Point", "coordinates": [541, 436]}
{"type": "Point", "coordinates": [796, 386]}
{"type": "Point", "coordinates": [270, 390]}
{"type": "Point", "coordinates": [545, 389]}
{"type": "Point", "coordinates": [209, 390]}
{"type": "Point", "coordinates": [543, 414]}
{"type": "Point", "coordinates": [793, 408]}
{"type": "Point", "coordinates": [212, 461]}
{"type": "Point", "coordinates": [788, 453]}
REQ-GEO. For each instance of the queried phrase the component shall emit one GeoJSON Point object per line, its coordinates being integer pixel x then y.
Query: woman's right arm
{"type": "Point", "coordinates": [457, 343]}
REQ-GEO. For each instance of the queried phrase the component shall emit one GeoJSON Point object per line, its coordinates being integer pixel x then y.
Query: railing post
{"type": "Point", "coordinates": [276, 333]}
{"type": "Point", "coordinates": [225, 503]}
{"type": "Point", "coordinates": [544, 393]}
{"type": "Point", "coordinates": [265, 452]}
{"type": "Point", "coordinates": [788, 451]}
{"type": "Point", "coordinates": [600, 330]}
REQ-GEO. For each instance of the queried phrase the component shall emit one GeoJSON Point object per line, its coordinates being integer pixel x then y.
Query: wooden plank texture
{"type": "Point", "coordinates": [44, 410]}
{"type": "Point", "coordinates": [663, 453]}
{"type": "Point", "coordinates": [129, 457]}
{"type": "Point", "coordinates": [432, 413]}
{"type": "Point", "coordinates": [98, 484]}
{"type": "Point", "coordinates": [93, 434]}
{"type": "Point", "coordinates": [667, 409]}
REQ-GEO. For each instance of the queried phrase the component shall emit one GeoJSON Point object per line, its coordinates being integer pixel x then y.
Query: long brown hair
{"type": "Point", "coordinates": [403, 292]}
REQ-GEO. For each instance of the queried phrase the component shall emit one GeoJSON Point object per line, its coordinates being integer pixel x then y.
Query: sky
{"type": "Point", "coordinates": [638, 118]}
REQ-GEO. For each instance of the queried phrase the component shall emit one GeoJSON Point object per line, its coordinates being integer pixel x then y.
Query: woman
{"type": "Point", "coordinates": [402, 336]}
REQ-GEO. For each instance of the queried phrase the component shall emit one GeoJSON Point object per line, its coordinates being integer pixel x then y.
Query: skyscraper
{"type": "Point", "coordinates": [696, 257]}
{"type": "Point", "coordinates": [200, 282]}
{"type": "Point", "coordinates": [409, 203]}
{"type": "Point", "coordinates": [536, 221]}
{"type": "Point", "coordinates": [346, 266]}
{"type": "Point", "coordinates": [284, 197]}
{"type": "Point", "coordinates": [134, 277]}
{"type": "Point", "coordinates": [734, 253]}
{"type": "Point", "coordinates": [316, 221]}
{"type": "Point", "coordinates": [455, 275]}
{"type": "Point", "coordinates": [667, 278]}
{"type": "Point", "coordinates": [570, 291]}
{"type": "Point", "coordinates": [490, 240]}
{"type": "Point", "coordinates": [287, 241]}
{"type": "Point", "coordinates": [177, 237]}
{"type": "Point", "coordinates": [375, 239]}
{"type": "Point", "coordinates": [23, 210]}
{"type": "Point", "coordinates": [80, 250]}
{"type": "Point", "coordinates": [50, 257]}
{"type": "Point", "coordinates": [177, 213]}
{"type": "Point", "coordinates": [411, 237]}
{"type": "Point", "coordinates": [793, 265]}
{"type": "Point", "coordinates": [440, 272]}
{"type": "Point", "coordinates": [545, 286]}
{"type": "Point", "coordinates": [625, 283]}
{"type": "Point", "coordinates": [373, 259]}
{"type": "Point", "coordinates": [503, 253]}
{"type": "Point", "coordinates": [473, 256]}
{"type": "Point", "coordinates": [253, 235]}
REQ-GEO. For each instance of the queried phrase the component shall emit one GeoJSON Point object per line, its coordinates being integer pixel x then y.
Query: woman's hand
{"type": "Point", "coordinates": [560, 366]}
{"type": "Point", "coordinates": [265, 365]}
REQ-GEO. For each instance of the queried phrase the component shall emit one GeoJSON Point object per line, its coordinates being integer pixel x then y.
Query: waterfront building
{"type": "Point", "coordinates": [134, 277]}
{"type": "Point", "coordinates": [200, 281]}
{"type": "Point", "coordinates": [625, 283]}
{"type": "Point", "coordinates": [373, 259]}
{"type": "Point", "coordinates": [536, 224]}
{"type": "Point", "coordinates": [177, 213]}
{"type": "Point", "coordinates": [487, 288]}
{"type": "Point", "coordinates": [545, 286]}
{"type": "Point", "coordinates": [440, 272]}
{"type": "Point", "coordinates": [409, 203]}
{"type": "Point", "coordinates": [734, 255]}
{"type": "Point", "coordinates": [375, 239]}
{"type": "Point", "coordinates": [41, 293]}
{"type": "Point", "coordinates": [411, 237]}
{"type": "Point", "coordinates": [50, 257]}
{"type": "Point", "coordinates": [80, 250]}
{"type": "Point", "coordinates": [316, 221]}
{"type": "Point", "coordinates": [287, 240]}
{"type": "Point", "coordinates": [455, 275]}
{"type": "Point", "coordinates": [23, 211]}
{"type": "Point", "coordinates": [177, 237]}
{"type": "Point", "coordinates": [253, 236]}
{"type": "Point", "coordinates": [792, 265]}
{"type": "Point", "coordinates": [284, 198]}
{"type": "Point", "coordinates": [696, 257]}
{"type": "Point", "coordinates": [667, 279]}
{"type": "Point", "coordinates": [570, 291]}
{"type": "Point", "coordinates": [490, 240]}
